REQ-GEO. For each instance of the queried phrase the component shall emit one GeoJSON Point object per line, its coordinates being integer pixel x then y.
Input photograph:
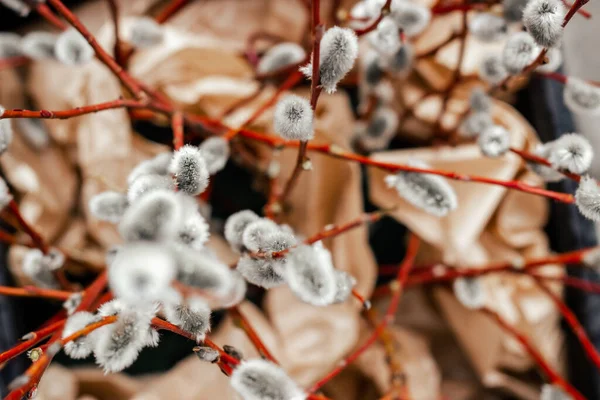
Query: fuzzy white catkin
{"type": "Point", "coordinates": [34, 133]}
{"type": "Point", "coordinates": [492, 70]}
{"type": "Point", "coordinates": [39, 45]}
{"type": "Point", "coordinates": [158, 165]}
{"type": "Point", "coordinates": [543, 19]}
{"type": "Point", "coordinates": [339, 49]}
{"type": "Point", "coordinates": [235, 226]}
{"type": "Point", "coordinates": [475, 123]}
{"type": "Point", "coordinates": [145, 32]}
{"type": "Point", "coordinates": [192, 316]}
{"type": "Point", "coordinates": [470, 292]}
{"type": "Point", "coordinates": [258, 379]}
{"type": "Point", "coordinates": [430, 193]}
{"type": "Point", "coordinates": [108, 206]}
{"type": "Point", "coordinates": [36, 268]}
{"type": "Point", "coordinates": [571, 152]}
{"type": "Point", "coordinates": [156, 216]}
{"type": "Point", "coordinates": [83, 346]}
{"type": "Point", "coordinates": [72, 48]}
{"type": "Point", "coordinates": [401, 62]}
{"type": "Point", "coordinates": [207, 354]}
{"type": "Point", "coordinates": [548, 174]}
{"type": "Point", "coordinates": [553, 392]}
{"type": "Point", "coordinates": [203, 271]}
{"type": "Point", "coordinates": [236, 293]}
{"type": "Point", "coordinates": [215, 151]}
{"type": "Point", "coordinates": [381, 129]}
{"type": "Point", "coordinates": [479, 100]}
{"type": "Point", "coordinates": [310, 276]}
{"type": "Point", "coordinates": [344, 283]}
{"type": "Point", "coordinates": [141, 272]}
{"type": "Point", "coordinates": [18, 6]}
{"type": "Point", "coordinates": [10, 45]}
{"type": "Point", "coordinates": [71, 304]}
{"type": "Point", "coordinates": [412, 18]}
{"type": "Point", "coordinates": [386, 38]}
{"type": "Point", "coordinates": [372, 72]}
{"type": "Point", "coordinates": [293, 118]}
{"type": "Point", "coordinates": [145, 184]}
{"type": "Point", "coordinates": [581, 97]}
{"type": "Point", "coordinates": [265, 235]}
{"type": "Point", "coordinates": [280, 56]}
{"type": "Point", "coordinates": [587, 198]}
{"type": "Point", "coordinates": [487, 27]}
{"type": "Point", "coordinates": [5, 195]}
{"type": "Point", "coordinates": [519, 51]}
{"type": "Point", "coordinates": [189, 170]}
{"type": "Point", "coordinates": [194, 231]}
{"type": "Point", "coordinates": [494, 141]}
{"type": "Point", "coordinates": [261, 272]}
{"type": "Point", "coordinates": [142, 315]}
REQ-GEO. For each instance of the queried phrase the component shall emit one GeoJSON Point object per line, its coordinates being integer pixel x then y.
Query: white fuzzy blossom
{"type": "Point", "coordinates": [519, 51]}
{"type": "Point", "coordinates": [553, 392]}
{"type": "Point", "coordinates": [141, 272]}
{"type": "Point", "coordinates": [202, 270]}
{"type": "Point", "coordinates": [263, 272]}
{"type": "Point", "coordinates": [34, 132]}
{"type": "Point", "coordinates": [480, 101]}
{"type": "Point", "coordinates": [266, 236]}
{"type": "Point", "coordinates": [215, 151]}
{"type": "Point", "coordinates": [554, 61]}
{"type": "Point", "coordinates": [401, 62]}
{"type": "Point", "coordinates": [411, 17]}
{"type": "Point", "coordinates": [587, 198]}
{"type": "Point", "coordinates": [72, 48]}
{"type": "Point", "coordinates": [293, 118]}
{"type": "Point", "coordinates": [512, 10]}
{"type": "Point", "coordinates": [258, 379]}
{"type": "Point", "coordinates": [108, 206]}
{"type": "Point", "coordinates": [194, 230]}
{"type": "Point", "coordinates": [71, 304]}
{"type": "Point", "coordinates": [236, 293]}
{"type": "Point", "coordinates": [470, 292]}
{"type": "Point", "coordinates": [145, 32]}
{"type": "Point", "coordinates": [487, 27]}
{"type": "Point", "coordinates": [371, 71]}
{"type": "Point", "coordinates": [548, 174]}
{"type": "Point", "coordinates": [386, 38]}
{"type": "Point", "coordinates": [310, 275]}
{"type": "Point", "coordinates": [20, 7]}
{"type": "Point", "coordinates": [492, 70]}
{"type": "Point", "coordinates": [338, 51]}
{"type": "Point", "coordinates": [543, 19]}
{"type": "Point", "coordinates": [235, 226]}
{"type": "Point", "coordinates": [40, 267]}
{"type": "Point", "coordinates": [344, 284]}
{"type": "Point", "coordinates": [145, 184]}
{"type": "Point", "coordinates": [494, 141]}
{"type": "Point", "coordinates": [189, 170]}
{"type": "Point", "coordinates": [581, 97]}
{"type": "Point", "coordinates": [207, 354]}
{"type": "Point", "coordinates": [6, 132]}
{"type": "Point", "coordinates": [380, 130]}
{"type": "Point", "coordinates": [39, 45]}
{"type": "Point", "coordinates": [10, 45]}
{"type": "Point", "coordinates": [155, 216]}
{"type": "Point", "coordinates": [5, 196]}
{"type": "Point", "coordinates": [475, 123]}
{"type": "Point", "coordinates": [192, 316]}
{"type": "Point", "coordinates": [280, 56]}
{"type": "Point", "coordinates": [83, 346]}
{"type": "Point", "coordinates": [430, 193]}
{"type": "Point", "coordinates": [158, 165]}
{"type": "Point", "coordinates": [571, 152]}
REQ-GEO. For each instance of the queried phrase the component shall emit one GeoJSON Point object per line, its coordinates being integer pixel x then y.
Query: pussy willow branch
{"type": "Point", "coordinates": [246, 326]}
{"type": "Point", "coordinates": [540, 160]}
{"type": "Point", "coordinates": [178, 134]}
{"type": "Point", "coordinates": [33, 338]}
{"type": "Point", "coordinates": [44, 11]}
{"type": "Point", "coordinates": [34, 291]}
{"type": "Point", "coordinates": [385, 10]}
{"type": "Point", "coordinates": [401, 278]}
{"type": "Point", "coordinates": [113, 8]}
{"type": "Point", "coordinates": [172, 8]}
{"type": "Point", "coordinates": [552, 375]}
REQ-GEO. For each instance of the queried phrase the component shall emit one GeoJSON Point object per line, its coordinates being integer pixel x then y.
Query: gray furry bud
{"type": "Point", "coordinates": [204, 271]}
{"type": "Point", "coordinates": [265, 235]}
{"type": "Point", "coordinates": [215, 151]}
{"type": "Point", "coordinates": [20, 7]}
{"type": "Point", "coordinates": [571, 152]}
{"type": "Point", "coordinates": [344, 284]}
{"type": "Point", "coordinates": [236, 225]}
{"type": "Point", "coordinates": [36, 268]}
{"type": "Point", "coordinates": [192, 316]}
{"type": "Point", "coordinates": [310, 275]}
{"type": "Point", "coordinates": [480, 101]}
{"type": "Point", "coordinates": [546, 173]}
{"type": "Point", "coordinates": [280, 56]}
{"type": "Point", "coordinates": [141, 272]}
{"type": "Point", "coordinates": [83, 346]}
{"type": "Point", "coordinates": [158, 165]}
{"type": "Point", "coordinates": [293, 118]}
{"type": "Point", "coordinates": [71, 304]}
{"type": "Point", "coordinates": [380, 130]}
{"type": "Point", "coordinates": [34, 132]}
{"type": "Point", "coordinates": [494, 141]}
{"type": "Point", "coordinates": [412, 18]}
{"type": "Point", "coordinates": [259, 379]}
{"type": "Point", "coordinates": [189, 169]}
{"type": "Point", "coordinates": [543, 19]}
{"type": "Point", "coordinates": [207, 354]}
{"type": "Point", "coordinates": [519, 51]}
{"type": "Point", "coordinates": [587, 198]}
{"type": "Point", "coordinates": [372, 73]}
{"type": "Point", "coordinates": [402, 61]}
{"type": "Point", "coordinates": [470, 292]}
{"type": "Point", "coordinates": [430, 193]}
{"type": "Point", "coordinates": [195, 231]}
{"type": "Point", "coordinates": [581, 97]}
{"type": "Point", "coordinates": [109, 206]}
{"type": "Point", "coordinates": [386, 38]}
{"type": "Point", "coordinates": [475, 123]}
{"type": "Point", "coordinates": [72, 48]}
{"type": "Point", "coordinates": [39, 45]}
{"type": "Point", "coordinates": [512, 10]}
{"type": "Point", "coordinates": [145, 32]}
{"type": "Point", "coordinates": [263, 272]}
{"type": "Point", "coordinates": [339, 49]}
{"type": "Point", "coordinates": [487, 27]}
{"type": "Point", "coordinates": [10, 45]}
{"type": "Point", "coordinates": [145, 184]}
{"type": "Point", "coordinates": [156, 216]}
{"type": "Point", "coordinates": [492, 70]}
{"type": "Point", "coordinates": [553, 392]}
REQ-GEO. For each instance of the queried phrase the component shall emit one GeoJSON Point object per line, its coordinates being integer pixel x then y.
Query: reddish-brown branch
{"type": "Point", "coordinates": [33, 291]}
{"type": "Point", "coordinates": [246, 326]}
{"type": "Point", "coordinates": [92, 292]}
{"type": "Point", "coordinates": [581, 12]}
{"type": "Point", "coordinates": [75, 112]}
{"type": "Point", "coordinates": [172, 8]}
{"type": "Point", "coordinates": [401, 278]}
{"type": "Point", "coordinates": [574, 8]}
{"type": "Point", "coordinates": [28, 229]}
{"type": "Point", "coordinates": [44, 11]}
{"type": "Point", "coordinates": [130, 83]}
{"type": "Point", "coordinates": [178, 134]}
{"type": "Point", "coordinates": [33, 338]}
{"type": "Point", "coordinates": [571, 281]}
{"type": "Point", "coordinates": [552, 375]}
{"type": "Point", "coordinates": [385, 10]}
{"type": "Point", "coordinates": [540, 160]}
{"type": "Point", "coordinates": [12, 62]}
{"type": "Point", "coordinates": [113, 7]}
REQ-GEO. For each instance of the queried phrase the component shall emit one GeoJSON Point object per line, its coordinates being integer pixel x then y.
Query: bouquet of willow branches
{"type": "Point", "coordinates": [163, 275]}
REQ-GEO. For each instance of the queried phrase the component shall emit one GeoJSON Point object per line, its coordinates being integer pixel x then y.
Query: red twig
{"type": "Point", "coordinates": [172, 8]}
{"type": "Point", "coordinates": [540, 160]}
{"type": "Point", "coordinates": [245, 324]}
{"type": "Point", "coordinates": [401, 278]}
{"type": "Point", "coordinates": [178, 134]}
{"type": "Point", "coordinates": [33, 291]}
{"type": "Point", "coordinates": [114, 14]}
{"type": "Point", "coordinates": [33, 338]}
{"type": "Point", "coordinates": [75, 112]}
{"type": "Point", "coordinates": [385, 10]}
{"type": "Point", "coordinates": [11, 62]}
{"type": "Point", "coordinates": [29, 230]}
{"type": "Point", "coordinates": [44, 11]}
